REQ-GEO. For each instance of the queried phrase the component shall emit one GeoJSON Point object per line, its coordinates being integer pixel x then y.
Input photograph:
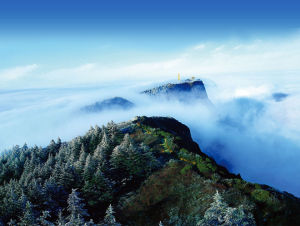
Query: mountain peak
{"type": "Point", "coordinates": [182, 91]}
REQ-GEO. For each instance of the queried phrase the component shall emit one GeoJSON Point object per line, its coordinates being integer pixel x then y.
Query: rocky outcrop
{"type": "Point", "coordinates": [186, 91]}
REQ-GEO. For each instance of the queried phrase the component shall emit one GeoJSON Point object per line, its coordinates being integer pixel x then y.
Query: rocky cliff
{"type": "Point", "coordinates": [185, 91]}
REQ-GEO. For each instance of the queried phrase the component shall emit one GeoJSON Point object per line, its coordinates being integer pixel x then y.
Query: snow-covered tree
{"type": "Point", "coordinates": [220, 214]}
{"type": "Point", "coordinates": [43, 219]}
{"type": "Point", "coordinates": [79, 164]}
{"type": "Point", "coordinates": [89, 168]}
{"type": "Point", "coordinates": [12, 223]}
{"type": "Point", "coordinates": [60, 220]}
{"type": "Point", "coordinates": [76, 209]}
{"type": "Point", "coordinates": [28, 216]}
{"type": "Point", "coordinates": [97, 190]}
{"type": "Point", "coordinates": [109, 219]}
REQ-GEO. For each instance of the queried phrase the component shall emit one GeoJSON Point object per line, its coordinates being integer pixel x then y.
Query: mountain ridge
{"type": "Point", "coordinates": [148, 168]}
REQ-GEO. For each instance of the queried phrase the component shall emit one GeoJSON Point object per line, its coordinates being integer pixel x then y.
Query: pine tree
{"type": "Point", "coordinates": [12, 222]}
{"type": "Point", "coordinates": [23, 200]}
{"type": "Point", "coordinates": [67, 177]}
{"type": "Point", "coordinates": [238, 216]}
{"type": "Point", "coordinates": [11, 207]}
{"type": "Point", "coordinates": [89, 168]}
{"type": "Point", "coordinates": [97, 190]}
{"type": "Point", "coordinates": [113, 131]}
{"type": "Point", "coordinates": [100, 156]}
{"type": "Point", "coordinates": [52, 148]}
{"type": "Point", "coordinates": [58, 143]}
{"type": "Point", "coordinates": [105, 141]}
{"type": "Point", "coordinates": [76, 209]}
{"type": "Point", "coordinates": [220, 214]}
{"type": "Point", "coordinates": [95, 138]}
{"type": "Point", "coordinates": [215, 214]}
{"type": "Point", "coordinates": [79, 164]}
{"type": "Point", "coordinates": [109, 219]}
{"type": "Point", "coordinates": [90, 223]}
{"type": "Point", "coordinates": [28, 217]}
{"type": "Point", "coordinates": [132, 160]}
{"type": "Point", "coordinates": [119, 156]}
{"type": "Point", "coordinates": [60, 220]}
{"type": "Point", "coordinates": [43, 219]}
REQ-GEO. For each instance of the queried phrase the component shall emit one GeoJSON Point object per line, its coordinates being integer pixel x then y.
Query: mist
{"type": "Point", "coordinates": [248, 131]}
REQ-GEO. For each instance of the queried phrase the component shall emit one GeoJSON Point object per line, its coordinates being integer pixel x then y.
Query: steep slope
{"type": "Point", "coordinates": [148, 168]}
{"type": "Point", "coordinates": [186, 91]}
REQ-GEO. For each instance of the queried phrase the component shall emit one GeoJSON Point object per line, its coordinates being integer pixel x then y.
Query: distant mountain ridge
{"type": "Point", "coordinates": [187, 91]}
{"type": "Point", "coordinates": [115, 103]}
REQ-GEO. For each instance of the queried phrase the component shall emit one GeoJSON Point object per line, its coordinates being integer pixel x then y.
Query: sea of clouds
{"type": "Point", "coordinates": [248, 130]}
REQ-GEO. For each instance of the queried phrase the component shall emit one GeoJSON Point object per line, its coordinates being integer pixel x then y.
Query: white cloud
{"type": "Point", "coordinates": [252, 91]}
{"type": "Point", "coordinates": [199, 47]}
{"type": "Point", "coordinates": [264, 57]}
{"type": "Point", "coordinates": [259, 131]}
{"type": "Point", "coordinates": [16, 72]}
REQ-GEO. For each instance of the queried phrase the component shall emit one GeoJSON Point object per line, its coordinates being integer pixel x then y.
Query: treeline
{"type": "Point", "coordinates": [72, 183]}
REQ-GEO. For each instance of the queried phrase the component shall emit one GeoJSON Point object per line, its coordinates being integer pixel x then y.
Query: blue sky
{"type": "Point", "coordinates": [115, 16]}
{"type": "Point", "coordinates": [56, 34]}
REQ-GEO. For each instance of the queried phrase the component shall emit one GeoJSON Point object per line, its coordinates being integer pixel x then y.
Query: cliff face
{"type": "Point", "coordinates": [148, 168]}
{"type": "Point", "coordinates": [183, 91]}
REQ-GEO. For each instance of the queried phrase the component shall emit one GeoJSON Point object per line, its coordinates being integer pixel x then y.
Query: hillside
{"type": "Point", "coordinates": [140, 172]}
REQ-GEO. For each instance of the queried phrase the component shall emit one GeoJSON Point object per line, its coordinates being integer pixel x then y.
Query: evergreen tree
{"type": "Point", "coordinates": [90, 223]}
{"type": "Point", "coordinates": [109, 219]}
{"type": "Point", "coordinates": [105, 141]}
{"type": "Point", "coordinates": [60, 220]}
{"type": "Point", "coordinates": [28, 217]}
{"type": "Point", "coordinates": [76, 209]}
{"type": "Point", "coordinates": [43, 219]}
{"type": "Point", "coordinates": [67, 177]}
{"type": "Point", "coordinates": [12, 223]}
{"type": "Point", "coordinates": [23, 200]}
{"type": "Point", "coordinates": [97, 190]}
{"type": "Point", "coordinates": [113, 132]}
{"type": "Point", "coordinates": [79, 164]}
{"type": "Point", "coordinates": [11, 207]}
{"type": "Point", "coordinates": [89, 168]}
{"type": "Point", "coordinates": [220, 214]}
{"type": "Point", "coordinates": [132, 160]}
{"type": "Point", "coordinates": [100, 157]}
{"type": "Point", "coordinates": [238, 216]}
{"type": "Point", "coordinates": [95, 138]}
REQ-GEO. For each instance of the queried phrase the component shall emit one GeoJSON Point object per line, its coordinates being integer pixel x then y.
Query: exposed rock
{"type": "Point", "coordinates": [186, 91]}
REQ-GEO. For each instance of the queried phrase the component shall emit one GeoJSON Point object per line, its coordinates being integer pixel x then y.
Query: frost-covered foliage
{"type": "Point", "coordinates": [67, 183]}
{"type": "Point", "coordinates": [137, 173]}
{"type": "Point", "coordinates": [219, 213]}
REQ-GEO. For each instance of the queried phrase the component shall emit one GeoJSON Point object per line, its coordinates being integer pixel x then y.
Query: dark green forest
{"type": "Point", "coordinates": [147, 171]}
